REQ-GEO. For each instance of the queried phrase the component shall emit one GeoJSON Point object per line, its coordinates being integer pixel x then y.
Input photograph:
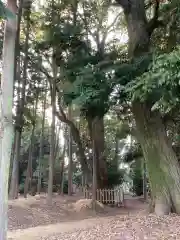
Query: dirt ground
{"type": "Point", "coordinates": [32, 219]}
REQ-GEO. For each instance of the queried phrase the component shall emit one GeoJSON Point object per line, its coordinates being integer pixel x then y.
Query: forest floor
{"type": "Point", "coordinates": [32, 219]}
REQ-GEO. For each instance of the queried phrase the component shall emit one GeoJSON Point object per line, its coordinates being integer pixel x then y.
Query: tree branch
{"type": "Point", "coordinates": [125, 4]}
{"type": "Point", "coordinates": [154, 22]}
{"type": "Point", "coordinates": [108, 30]}
{"type": "Point", "coordinates": [62, 116]}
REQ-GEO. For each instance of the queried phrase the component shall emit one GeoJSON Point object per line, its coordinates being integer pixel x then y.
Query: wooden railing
{"type": "Point", "coordinates": [107, 196]}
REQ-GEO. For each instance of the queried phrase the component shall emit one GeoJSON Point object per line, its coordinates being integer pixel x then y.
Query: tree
{"type": "Point", "coordinates": [6, 99]}
{"type": "Point", "coordinates": [87, 71]}
{"type": "Point", "coordinates": [21, 94]}
{"type": "Point", "coordinates": [41, 150]}
{"type": "Point", "coordinates": [70, 155]}
{"type": "Point", "coordinates": [29, 170]}
{"type": "Point", "coordinates": [152, 135]}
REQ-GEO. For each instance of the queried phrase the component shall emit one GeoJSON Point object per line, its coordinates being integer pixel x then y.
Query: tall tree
{"type": "Point", "coordinates": [157, 148]}
{"type": "Point", "coordinates": [41, 152]}
{"type": "Point", "coordinates": [6, 103]}
{"type": "Point", "coordinates": [70, 164]}
{"type": "Point", "coordinates": [29, 172]}
{"type": "Point", "coordinates": [21, 96]}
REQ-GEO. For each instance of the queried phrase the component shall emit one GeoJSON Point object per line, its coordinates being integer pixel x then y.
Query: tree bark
{"type": "Point", "coordinates": [20, 108]}
{"type": "Point", "coordinates": [6, 124]}
{"type": "Point", "coordinates": [145, 194]}
{"type": "Point", "coordinates": [70, 165]}
{"type": "Point", "coordinates": [94, 186]}
{"type": "Point", "coordinates": [162, 163]}
{"type": "Point", "coordinates": [41, 150]}
{"type": "Point", "coordinates": [62, 170]}
{"type": "Point", "coordinates": [52, 136]}
{"type": "Point", "coordinates": [77, 139]}
{"type": "Point", "coordinates": [29, 171]}
{"type": "Point", "coordinates": [14, 185]}
{"type": "Point", "coordinates": [97, 136]}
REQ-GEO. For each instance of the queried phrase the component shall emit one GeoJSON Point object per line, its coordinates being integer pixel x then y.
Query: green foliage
{"type": "Point", "coordinates": [115, 175]}
{"type": "Point", "coordinates": [126, 73]}
{"type": "Point", "coordinates": [5, 13]}
{"type": "Point", "coordinates": [90, 91]}
{"type": "Point", "coordinates": [87, 69]}
{"type": "Point", "coordinates": [161, 83]}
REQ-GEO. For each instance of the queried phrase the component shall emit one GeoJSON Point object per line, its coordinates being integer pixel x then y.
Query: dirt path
{"type": "Point", "coordinates": [131, 227]}
{"type": "Point", "coordinates": [36, 233]}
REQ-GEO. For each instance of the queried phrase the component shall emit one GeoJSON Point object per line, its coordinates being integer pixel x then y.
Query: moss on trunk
{"type": "Point", "coordinates": [163, 166]}
{"type": "Point", "coordinates": [162, 163]}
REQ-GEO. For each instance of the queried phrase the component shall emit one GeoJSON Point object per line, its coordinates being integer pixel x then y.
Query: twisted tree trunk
{"type": "Point", "coordinates": [77, 139]}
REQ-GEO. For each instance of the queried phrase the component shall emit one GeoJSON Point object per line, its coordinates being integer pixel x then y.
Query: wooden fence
{"type": "Point", "coordinates": [107, 196]}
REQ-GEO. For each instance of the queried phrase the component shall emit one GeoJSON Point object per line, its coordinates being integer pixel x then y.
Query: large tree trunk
{"type": "Point", "coordinates": [6, 124]}
{"type": "Point", "coordinates": [97, 136]}
{"type": "Point", "coordinates": [162, 163]}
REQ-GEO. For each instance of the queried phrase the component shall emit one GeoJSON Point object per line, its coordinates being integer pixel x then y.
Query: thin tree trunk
{"type": "Point", "coordinates": [65, 135]}
{"type": "Point", "coordinates": [77, 139]}
{"type": "Point", "coordinates": [144, 181]}
{"type": "Point", "coordinates": [57, 142]}
{"type": "Point", "coordinates": [116, 157]}
{"type": "Point", "coordinates": [52, 149]}
{"type": "Point", "coordinates": [52, 137]}
{"type": "Point", "coordinates": [94, 190]}
{"type": "Point", "coordinates": [70, 165]}
{"type": "Point", "coordinates": [20, 108]}
{"type": "Point", "coordinates": [41, 150]}
{"type": "Point", "coordinates": [62, 170]}
{"type": "Point", "coordinates": [14, 186]}
{"type": "Point", "coordinates": [11, 164]}
{"type": "Point", "coordinates": [6, 125]}
{"type": "Point", "coordinates": [29, 171]}
{"type": "Point", "coordinates": [97, 135]}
